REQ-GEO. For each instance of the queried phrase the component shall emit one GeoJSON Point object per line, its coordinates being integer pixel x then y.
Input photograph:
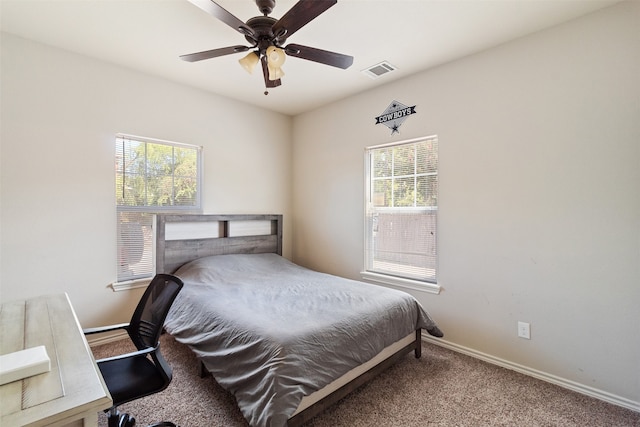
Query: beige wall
{"type": "Point", "coordinates": [60, 112]}
{"type": "Point", "coordinates": [539, 197]}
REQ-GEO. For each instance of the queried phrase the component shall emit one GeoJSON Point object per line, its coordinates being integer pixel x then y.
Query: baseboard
{"type": "Point", "coordinates": [96, 341]}
{"type": "Point", "coordinates": [562, 382]}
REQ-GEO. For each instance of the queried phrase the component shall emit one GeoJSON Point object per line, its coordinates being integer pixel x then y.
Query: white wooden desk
{"type": "Point", "coordinates": [73, 392]}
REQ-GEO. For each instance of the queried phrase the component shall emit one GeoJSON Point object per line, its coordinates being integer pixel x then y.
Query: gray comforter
{"type": "Point", "coordinates": [272, 332]}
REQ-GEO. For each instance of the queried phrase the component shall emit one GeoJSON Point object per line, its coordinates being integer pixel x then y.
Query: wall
{"type": "Point", "coordinates": [539, 197]}
{"type": "Point", "coordinates": [60, 112]}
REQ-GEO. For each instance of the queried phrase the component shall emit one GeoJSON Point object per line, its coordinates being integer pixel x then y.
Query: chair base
{"type": "Point", "coordinates": [118, 419]}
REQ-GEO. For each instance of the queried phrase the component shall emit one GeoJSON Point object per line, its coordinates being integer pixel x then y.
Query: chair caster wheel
{"type": "Point", "coordinates": [127, 421]}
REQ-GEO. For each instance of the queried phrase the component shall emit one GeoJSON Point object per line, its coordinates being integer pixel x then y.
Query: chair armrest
{"type": "Point", "coordinates": [99, 329]}
{"type": "Point", "coordinates": [142, 352]}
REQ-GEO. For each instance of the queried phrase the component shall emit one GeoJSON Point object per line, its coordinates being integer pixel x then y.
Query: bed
{"type": "Point", "coordinates": [286, 341]}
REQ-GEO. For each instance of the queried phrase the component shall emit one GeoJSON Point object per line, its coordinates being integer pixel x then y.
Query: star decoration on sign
{"type": "Point", "coordinates": [395, 114]}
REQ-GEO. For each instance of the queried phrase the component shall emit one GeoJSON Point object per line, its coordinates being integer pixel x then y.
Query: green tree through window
{"type": "Point", "coordinates": [150, 174]}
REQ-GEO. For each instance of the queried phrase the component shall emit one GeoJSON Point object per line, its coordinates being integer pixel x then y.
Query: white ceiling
{"type": "Point", "coordinates": [413, 35]}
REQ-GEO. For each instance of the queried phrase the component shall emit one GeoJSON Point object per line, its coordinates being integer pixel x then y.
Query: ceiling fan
{"type": "Point", "coordinates": [267, 36]}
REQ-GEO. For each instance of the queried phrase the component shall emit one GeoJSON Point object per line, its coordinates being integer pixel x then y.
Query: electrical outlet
{"type": "Point", "coordinates": [524, 330]}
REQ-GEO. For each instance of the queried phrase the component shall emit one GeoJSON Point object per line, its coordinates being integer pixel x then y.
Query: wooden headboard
{"type": "Point", "coordinates": [184, 238]}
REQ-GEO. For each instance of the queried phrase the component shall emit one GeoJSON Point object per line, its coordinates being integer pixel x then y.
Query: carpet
{"type": "Point", "coordinates": [443, 388]}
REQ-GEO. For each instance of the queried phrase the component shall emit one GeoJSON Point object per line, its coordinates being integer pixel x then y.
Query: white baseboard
{"type": "Point", "coordinates": [562, 382]}
{"type": "Point", "coordinates": [96, 341]}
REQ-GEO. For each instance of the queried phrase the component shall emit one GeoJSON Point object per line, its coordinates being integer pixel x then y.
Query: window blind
{"type": "Point", "coordinates": [401, 209]}
{"type": "Point", "coordinates": [151, 176]}
{"type": "Point", "coordinates": [135, 245]}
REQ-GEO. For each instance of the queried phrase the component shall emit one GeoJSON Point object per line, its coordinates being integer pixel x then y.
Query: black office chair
{"type": "Point", "coordinates": [144, 372]}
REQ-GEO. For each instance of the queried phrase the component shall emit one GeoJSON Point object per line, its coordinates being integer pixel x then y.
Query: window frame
{"type": "Point", "coordinates": [386, 278]}
{"type": "Point", "coordinates": [123, 283]}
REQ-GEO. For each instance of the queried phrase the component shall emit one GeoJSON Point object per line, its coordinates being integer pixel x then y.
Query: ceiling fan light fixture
{"type": "Point", "coordinates": [275, 59]}
{"type": "Point", "coordinates": [249, 62]}
{"type": "Point", "coordinates": [275, 73]}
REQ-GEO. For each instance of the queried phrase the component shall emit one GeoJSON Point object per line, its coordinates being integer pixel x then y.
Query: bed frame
{"type": "Point", "coordinates": [183, 238]}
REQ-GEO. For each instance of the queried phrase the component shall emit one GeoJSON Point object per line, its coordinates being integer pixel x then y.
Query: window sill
{"type": "Point", "coordinates": [130, 284]}
{"type": "Point", "coordinates": [414, 285]}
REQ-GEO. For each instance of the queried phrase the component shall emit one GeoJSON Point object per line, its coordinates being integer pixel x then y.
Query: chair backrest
{"type": "Point", "coordinates": [148, 318]}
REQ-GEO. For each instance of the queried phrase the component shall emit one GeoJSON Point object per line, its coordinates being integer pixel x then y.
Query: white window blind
{"type": "Point", "coordinates": [135, 245]}
{"type": "Point", "coordinates": [401, 209]}
{"type": "Point", "coordinates": [151, 176]}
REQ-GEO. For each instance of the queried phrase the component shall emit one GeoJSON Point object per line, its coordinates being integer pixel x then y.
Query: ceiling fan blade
{"type": "Point", "coordinates": [265, 70]}
{"type": "Point", "coordinates": [214, 53]}
{"type": "Point", "coordinates": [318, 55]}
{"type": "Point", "coordinates": [299, 15]}
{"type": "Point", "coordinates": [225, 16]}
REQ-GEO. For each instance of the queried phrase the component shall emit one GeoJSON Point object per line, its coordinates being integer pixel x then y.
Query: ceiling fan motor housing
{"type": "Point", "coordinates": [263, 29]}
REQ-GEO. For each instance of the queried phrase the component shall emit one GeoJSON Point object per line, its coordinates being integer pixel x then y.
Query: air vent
{"type": "Point", "coordinates": [379, 70]}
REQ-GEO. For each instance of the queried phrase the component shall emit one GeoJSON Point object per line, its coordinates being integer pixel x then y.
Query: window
{"type": "Point", "coordinates": [151, 176]}
{"type": "Point", "coordinates": [401, 212]}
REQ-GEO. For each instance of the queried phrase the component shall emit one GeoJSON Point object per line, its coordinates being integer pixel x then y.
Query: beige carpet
{"type": "Point", "coordinates": [443, 388]}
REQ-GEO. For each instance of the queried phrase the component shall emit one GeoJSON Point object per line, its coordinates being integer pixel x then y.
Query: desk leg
{"type": "Point", "coordinates": [90, 420]}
